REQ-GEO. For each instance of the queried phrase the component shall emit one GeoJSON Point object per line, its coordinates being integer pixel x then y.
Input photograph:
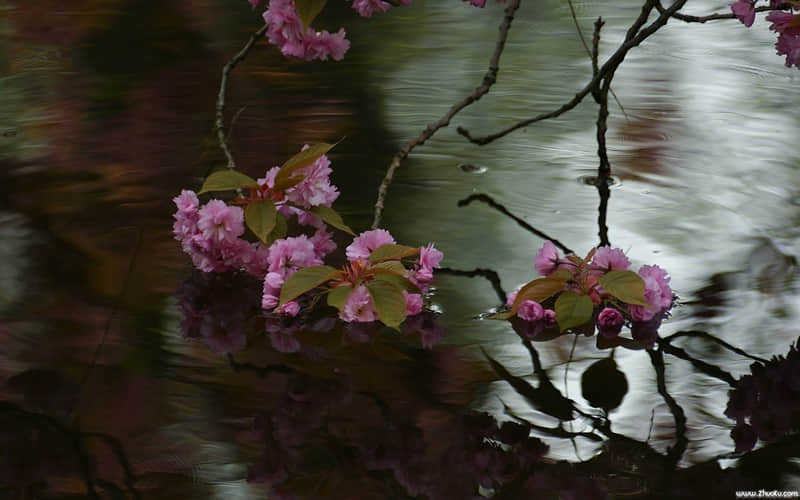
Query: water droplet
{"type": "Point", "coordinates": [472, 169]}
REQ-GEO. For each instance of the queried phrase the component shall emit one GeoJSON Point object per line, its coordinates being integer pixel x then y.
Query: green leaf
{"type": "Point", "coordinates": [261, 217]}
{"type": "Point", "coordinates": [390, 266]}
{"type": "Point", "coordinates": [284, 179]}
{"type": "Point", "coordinates": [573, 309]}
{"type": "Point", "coordinates": [227, 180]}
{"type": "Point", "coordinates": [391, 252]}
{"type": "Point", "coordinates": [337, 296]}
{"type": "Point", "coordinates": [627, 286]}
{"type": "Point", "coordinates": [538, 290]}
{"type": "Point", "coordinates": [306, 279]}
{"type": "Point", "coordinates": [400, 282]}
{"type": "Point", "coordinates": [389, 302]}
{"type": "Point", "coordinates": [329, 216]}
{"type": "Point", "coordinates": [279, 231]}
{"type": "Point", "coordinates": [308, 10]}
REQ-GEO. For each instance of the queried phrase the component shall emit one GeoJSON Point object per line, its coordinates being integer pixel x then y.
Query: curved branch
{"type": "Point", "coordinates": [488, 80]}
{"type": "Point", "coordinates": [485, 198]}
{"type": "Point", "coordinates": [219, 121]}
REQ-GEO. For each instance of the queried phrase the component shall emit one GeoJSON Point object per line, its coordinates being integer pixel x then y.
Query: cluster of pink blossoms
{"type": "Point", "coordinates": [212, 233]}
{"type": "Point", "coordinates": [584, 278]}
{"type": "Point", "coordinates": [285, 28]}
{"type": "Point", "coordinates": [784, 22]}
{"type": "Point", "coordinates": [359, 306]}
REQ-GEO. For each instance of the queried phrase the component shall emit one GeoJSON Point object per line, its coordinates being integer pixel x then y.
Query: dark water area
{"type": "Point", "coordinates": [126, 374]}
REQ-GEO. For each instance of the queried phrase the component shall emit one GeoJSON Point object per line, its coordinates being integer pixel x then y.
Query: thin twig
{"type": "Point", "coordinates": [715, 17]}
{"type": "Point", "coordinates": [593, 52]}
{"type": "Point", "coordinates": [488, 80]}
{"type": "Point", "coordinates": [485, 198]}
{"type": "Point", "coordinates": [609, 66]}
{"type": "Point", "coordinates": [219, 122]}
{"type": "Point", "coordinates": [489, 274]}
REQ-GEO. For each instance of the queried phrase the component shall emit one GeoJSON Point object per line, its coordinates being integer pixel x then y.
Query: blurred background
{"type": "Point", "coordinates": [106, 113]}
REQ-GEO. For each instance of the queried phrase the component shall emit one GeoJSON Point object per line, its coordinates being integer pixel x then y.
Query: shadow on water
{"type": "Point", "coordinates": [123, 375]}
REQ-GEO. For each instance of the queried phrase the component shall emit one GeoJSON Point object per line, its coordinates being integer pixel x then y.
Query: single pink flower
{"type": "Point", "coordinates": [789, 46]}
{"type": "Point", "coordinates": [744, 10]}
{"type": "Point", "coordinates": [290, 308]}
{"type": "Point", "coordinates": [609, 322]}
{"type": "Point", "coordinates": [366, 8]}
{"type": "Point", "coordinates": [323, 242]}
{"type": "Point", "coordinates": [547, 259]}
{"type": "Point", "coordinates": [220, 222]}
{"type": "Point", "coordinates": [366, 242]}
{"type": "Point", "coordinates": [549, 317]}
{"type": "Point", "coordinates": [608, 259]}
{"type": "Point", "coordinates": [530, 310]}
{"type": "Point", "coordinates": [657, 293]}
{"type": "Point", "coordinates": [359, 307]}
{"type": "Point", "coordinates": [511, 297]}
{"type": "Point", "coordinates": [413, 303]}
{"type": "Point", "coordinates": [429, 257]}
{"type": "Point", "coordinates": [290, 254]}
{"type": "Point", "coordinates": [187, 201]}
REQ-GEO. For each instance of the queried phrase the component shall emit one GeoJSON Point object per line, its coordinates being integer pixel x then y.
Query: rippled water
{"type": "Point", "coordinates": [106, 112]}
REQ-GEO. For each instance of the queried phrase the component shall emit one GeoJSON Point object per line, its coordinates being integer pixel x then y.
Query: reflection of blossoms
{"type": "Point", "coordinates": [216, 308]}
{"type": "Point", "coordinates": [766, 402]}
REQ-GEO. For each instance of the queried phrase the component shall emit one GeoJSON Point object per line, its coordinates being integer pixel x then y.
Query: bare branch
{"type": "Point", "coordinates": [488, 80]}
{"type": "Point", "coordinates": [219, 122]}
{"type": "Point", "coordinates": [714, 17]}
{"type": "Point", "coordinates": [609, 67]}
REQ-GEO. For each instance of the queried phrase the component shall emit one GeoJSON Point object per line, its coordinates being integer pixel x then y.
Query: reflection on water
{"type": "Point", "coordinates": [106, 113]}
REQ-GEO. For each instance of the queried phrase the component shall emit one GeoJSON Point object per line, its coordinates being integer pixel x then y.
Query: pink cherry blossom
{"type": "Point", "coordinates": [657, 293]}
{"type": "Point", "coordinates": [546, 261]}
{"type": "Point", "coordinates": [290, 308]}
{"type": "Point", "coordinates": [290, 254]}
{"type": "Point", "coordinates": [323, 242]}
{"type": "Point", "coordinates": [744, 10]}
{"type": "Point", "coordinates": [316, 188]}
{"type": "Point", "coordinates": [609, 322]}
{"type": "Point", "coordinates": [608, 258]}
{"type": "Point", "coordinates": [413, 303]}
{"type": "Point", "coordinates": [359, 307]}
{"type": "Point", "coordinates": [366, 8]}
{"type": "Point", "coordinates": [549, 317]}
{"type": "Point", "coordinates": [429, 257]}
{"type": "Point", "coordinates": [789, 46]}
{"type": "Point", "coordinates": [530, 310]}
{"type": "Point", "coordinates": [187, 202]}
{"type": "Point", "coordinates": [285, 30]}
{"type": "Point", "coordinates": [220, 222]}
{"type": "Point", "coordinates": [366, 242]}
{"type": "Point", "coordinates": [511, 297]}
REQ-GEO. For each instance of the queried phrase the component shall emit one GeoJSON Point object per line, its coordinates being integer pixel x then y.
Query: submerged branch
{"type": "Point", "coordinates": [485, 198]}
{"type": "Point", "coordinates": [712, 338]}
{"type": "Point", "coordinates": [489, 274]}
{"type": "Point", "coordinates": [219, 122]}
{"type": "Point", "coordinates": [488, 80]}
{"type": "Point", "coordinates": [675, 452]}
